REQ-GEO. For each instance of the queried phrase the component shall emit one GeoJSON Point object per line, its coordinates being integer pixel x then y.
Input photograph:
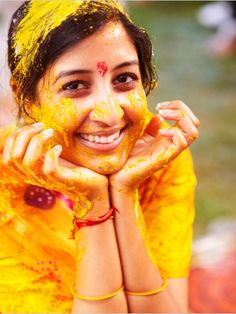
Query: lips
{"type": "Point", "coordinates": [102, 141]}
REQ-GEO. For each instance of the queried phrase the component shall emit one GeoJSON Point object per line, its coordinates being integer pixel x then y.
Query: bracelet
{"type": "Point", "coordinates": [77, 223]}
{"type": "Point", "coordinates": [104, 297]}
{"type": "Point", "coordinates": [162, 287]}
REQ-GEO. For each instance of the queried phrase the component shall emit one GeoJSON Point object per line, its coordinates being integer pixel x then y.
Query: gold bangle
{"type": "Point", "coordinates": [108, 296]}
{"type": "Point", "coordinates": [162, 287]}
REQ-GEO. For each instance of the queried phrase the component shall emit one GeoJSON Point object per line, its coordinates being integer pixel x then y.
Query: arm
{"type": "Point", "coordinates": [97, 263]}
{"type": "Point", "coordinates": [98, 269]}
{"type": "Point", "coordinates": [151, 152]}
{"type": "Point", "coordinates": [140, 272]}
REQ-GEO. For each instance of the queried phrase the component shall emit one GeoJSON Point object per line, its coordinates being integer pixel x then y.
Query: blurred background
{"type": "Point", "coordinates": [195, 56]}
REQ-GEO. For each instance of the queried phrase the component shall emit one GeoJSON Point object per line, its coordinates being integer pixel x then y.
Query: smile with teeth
{"type": "Point", "coordinates": [100, 139]}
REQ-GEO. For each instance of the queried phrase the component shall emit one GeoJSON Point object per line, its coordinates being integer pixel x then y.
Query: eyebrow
{"type": "Point", "coordinates": [71, 72]}
{"type": "Point", "coordinates": [125, 64]}
{"type": "Point", "coordinates": [84, 71]}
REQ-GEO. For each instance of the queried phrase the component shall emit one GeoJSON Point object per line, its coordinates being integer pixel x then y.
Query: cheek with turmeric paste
{"type": "Point", "coordinates": [139, 109]}
{"type": "Point", "coordinates": [61, 117]}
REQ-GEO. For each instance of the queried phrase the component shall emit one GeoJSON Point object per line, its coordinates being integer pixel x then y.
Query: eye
{"type": "Point", "coordinates": [74, 89]}
{"type": "Point", "coordinates": [125, 78]}
{"type": "Point", "coordinates": [74, 86]}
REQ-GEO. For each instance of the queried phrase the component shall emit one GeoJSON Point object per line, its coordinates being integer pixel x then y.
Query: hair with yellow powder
{"type": "Point", "coordinates": [42, 30]}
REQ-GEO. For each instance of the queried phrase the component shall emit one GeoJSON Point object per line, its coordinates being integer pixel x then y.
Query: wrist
{"type": "Point", "coordinates": [101, 188]}
{"type": "Point", "coordinates": [123, 198]}
{"type": "Point", "coordinates": [100, 204]}
{"type": "Point", "coordinates": [100, 213]}
{"type": "Point", "coordinates": [116, 187]}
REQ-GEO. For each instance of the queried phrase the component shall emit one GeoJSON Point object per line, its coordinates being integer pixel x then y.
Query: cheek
{"type": "Point", "coordinates": [63, 117]}
{"type": "Point", "coordinates": [138, 111]}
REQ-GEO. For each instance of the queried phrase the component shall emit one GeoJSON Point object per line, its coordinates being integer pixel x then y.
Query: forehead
{"type": "Point", "coordinates": [111, 44]}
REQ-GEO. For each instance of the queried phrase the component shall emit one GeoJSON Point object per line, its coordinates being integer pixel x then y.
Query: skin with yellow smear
{"type": "Point", "coordinates": [138, 103]}
{"type": "Point", "coordinates": [58, 118]}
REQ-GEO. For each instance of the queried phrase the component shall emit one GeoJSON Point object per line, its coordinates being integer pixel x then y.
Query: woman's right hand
{"type": "Point", "coordinates": [24, 151]}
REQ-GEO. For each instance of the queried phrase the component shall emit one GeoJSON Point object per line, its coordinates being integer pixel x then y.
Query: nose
{"type": "Point", "coordinates": [107, 111]}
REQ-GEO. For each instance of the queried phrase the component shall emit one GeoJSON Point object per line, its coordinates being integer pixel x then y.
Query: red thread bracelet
{"type": "Point", "coordinates": [77, 223]}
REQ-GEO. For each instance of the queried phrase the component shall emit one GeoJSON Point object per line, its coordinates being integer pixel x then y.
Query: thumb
{"type": "Point", "coordinates": [154, 125]}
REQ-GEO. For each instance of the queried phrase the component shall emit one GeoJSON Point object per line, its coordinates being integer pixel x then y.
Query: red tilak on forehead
{"type": "Point", "coordinates": [102, 68]}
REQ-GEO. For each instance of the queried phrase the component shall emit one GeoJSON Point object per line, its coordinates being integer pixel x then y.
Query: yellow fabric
{"type": "Point", "coordinates": [167, 201]}
{"type": "Point", "coordinates": [37, 258]}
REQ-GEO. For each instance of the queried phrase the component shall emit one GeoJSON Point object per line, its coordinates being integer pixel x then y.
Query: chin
{"type": "Point", "coordinates": [107, 171]}
{"type": "Point", "coordinates": [107, 167]}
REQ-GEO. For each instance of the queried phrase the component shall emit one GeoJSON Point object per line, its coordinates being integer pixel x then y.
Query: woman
{"type": "Point", "coordinates": [80, 70]}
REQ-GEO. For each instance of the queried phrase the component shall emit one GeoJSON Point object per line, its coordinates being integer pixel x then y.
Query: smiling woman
{"type": "Point", "coordinates": [103, 119]}
{"type": "Point", "coordinates": [87, 149]}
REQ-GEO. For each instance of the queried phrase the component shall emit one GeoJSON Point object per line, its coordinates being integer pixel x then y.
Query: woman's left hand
{"type": "Point", "coordinates": [157, 146]}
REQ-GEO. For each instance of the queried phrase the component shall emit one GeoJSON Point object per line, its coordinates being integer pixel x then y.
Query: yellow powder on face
{"type": "Point", "coordinates": [100, 110]}
{"type": "Point", "coordinates": [115, 31]}
{"type": "Point", "coordinates": [138, 100]}
{"type": "Point", "coordinates": [56, 116]}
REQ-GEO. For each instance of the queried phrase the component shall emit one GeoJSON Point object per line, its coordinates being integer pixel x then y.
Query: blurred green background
{"type": "Point", "coordinates": [208, 85]}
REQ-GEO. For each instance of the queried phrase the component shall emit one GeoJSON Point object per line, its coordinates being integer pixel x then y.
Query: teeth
{"type": "Point", "coordinates": [100, 139]}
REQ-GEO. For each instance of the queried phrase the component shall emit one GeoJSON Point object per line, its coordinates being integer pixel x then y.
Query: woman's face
{"type": "Point", "coordinates": [93, 98]}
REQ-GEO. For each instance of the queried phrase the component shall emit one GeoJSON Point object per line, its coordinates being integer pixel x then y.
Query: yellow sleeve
{"type": "Point", "coordinates": [36, 256]}
{"type": "Point", "coordinates": [167, 200]}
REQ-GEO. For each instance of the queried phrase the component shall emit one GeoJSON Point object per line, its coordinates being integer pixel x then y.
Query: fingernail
{"type": "Point", "coordinates": [37, 125]}
{"type": "Point", "coordinates": [163, 131]}
{"type": "Point", "coordinates": [57, 148]}
{"type": "Point", "coordinates": [165, 111]}
{"type": "Point", "coordinates": [160, 118]}
{"type": "Point", "coordinates": [47, 132]}
{"type": "Point", "coordinates": [163, 104]}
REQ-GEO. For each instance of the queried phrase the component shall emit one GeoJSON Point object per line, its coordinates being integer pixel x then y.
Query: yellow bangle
{"type": "Point", "coordinates": [108, 296]}
{"type": "Point", "coordinates": [162, 287]}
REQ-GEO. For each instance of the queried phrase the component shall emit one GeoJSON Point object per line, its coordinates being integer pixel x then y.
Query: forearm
{"type": "Point", "coordinates": [98, 268]}
{"type": "Point", "coordinates": [140, 273]}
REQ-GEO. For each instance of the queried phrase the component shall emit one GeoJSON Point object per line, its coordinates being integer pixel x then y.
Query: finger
{"type": "Point", "coordinates": [64, 174]}
{"type": "Point", "coordinates": [22, 138]}
{"type": "Point", "coordinates": [177, 104]}
{"type": "Point", "coordinates": [69, 173]}
{"type": "Point", "coordinates": [154, 125]}
{"type": "Point", "coordinates": [35, 148]}
{"type": "Point", "coordinates": [183, 122]}
{"type": "Point", "coordinates": [177, 136]}
{"type": "Point", "coordinates": [51, 161]}
{"type": "Point", "coordinates": [6, 156]}
{"type": "Point", "coordinates": [189, 130]}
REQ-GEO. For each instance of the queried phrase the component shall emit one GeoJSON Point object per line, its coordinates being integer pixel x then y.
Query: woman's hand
{"type": "Point", "coordinates": [157, 146]}
{"type": "Point", "coordinates": [24, 151]}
